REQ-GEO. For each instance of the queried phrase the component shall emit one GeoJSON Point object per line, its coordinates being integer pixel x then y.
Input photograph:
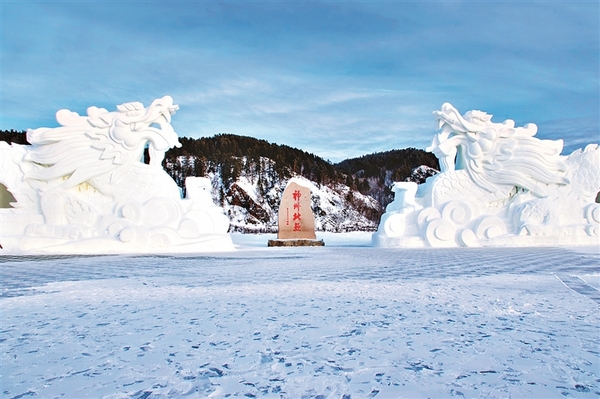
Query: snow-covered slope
{"type": "Point", "coordinates": [251, 195]}
{"type": "Point", "coordinates": [421, 173]}
{"type": "Point", "coordinates": [323, 322]}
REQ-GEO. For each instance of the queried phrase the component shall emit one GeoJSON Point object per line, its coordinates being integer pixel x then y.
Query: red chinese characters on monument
{"type": "Point", "coordinates": [295, 215]}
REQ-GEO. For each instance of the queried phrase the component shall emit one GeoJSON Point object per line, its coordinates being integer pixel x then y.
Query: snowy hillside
{"type": "Point", "coordinates": [251, 195]}
{"type": "Point", "coordinates": [421, 173]}
{"type": "Point", "coordinates": [249, 176]}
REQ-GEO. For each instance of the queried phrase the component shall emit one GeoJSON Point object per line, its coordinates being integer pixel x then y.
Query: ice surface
{"type": "Point", "coordinates": [341, 321]}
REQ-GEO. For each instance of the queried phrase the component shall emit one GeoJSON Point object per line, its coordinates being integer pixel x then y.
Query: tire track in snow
{"type": "Point", "coordinates": [26, 275]}
{"type": "Point", "coordinates": [576, 284]}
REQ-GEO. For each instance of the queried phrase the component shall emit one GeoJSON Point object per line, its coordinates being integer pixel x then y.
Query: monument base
{"type": "Point", "coordinates": [295, 242]}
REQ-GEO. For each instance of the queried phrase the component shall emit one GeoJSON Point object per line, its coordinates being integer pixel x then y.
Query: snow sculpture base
{"type": "Point", "coordinates": [82, 188]}
{"type": "Point", "coordinates": [499, 186]}
{"type": "Point", "coordinates": [296, 243]}
{"type": "Point", "coordinates": [106, 246]}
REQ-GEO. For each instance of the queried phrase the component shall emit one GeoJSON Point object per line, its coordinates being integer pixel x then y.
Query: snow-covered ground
{"type": "Point", "coordinates": [341, 321]}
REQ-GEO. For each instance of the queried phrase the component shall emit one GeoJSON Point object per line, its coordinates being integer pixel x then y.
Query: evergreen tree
{"type": "Point", "coordinates": [14, 136]}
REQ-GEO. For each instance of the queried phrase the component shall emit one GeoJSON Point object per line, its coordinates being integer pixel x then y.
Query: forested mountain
{"type": "Point", "coordinates": [381, 169]}
{"type": "Point", "coordinates": [367, 174]}
{"type": "Point", "coordinates": [249, 175]}
{"type": "Point", "coordinates": [395, 164]}
{"type": "Point", "coordinates": [228, 150]}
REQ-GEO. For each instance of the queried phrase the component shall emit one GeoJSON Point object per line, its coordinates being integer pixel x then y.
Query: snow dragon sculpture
{"type": "Point", "coordinates": [83, 187]}
{"type": "Point", "coordinates": [499, 185]}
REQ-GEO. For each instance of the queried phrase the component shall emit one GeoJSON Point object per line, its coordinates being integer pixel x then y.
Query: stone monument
{"type": "Point", "coordinates": [499, 186]}
{"type": "Point", "coordinates": [82, 188]}
{"type": "Point", "coordinates": [296, 222]}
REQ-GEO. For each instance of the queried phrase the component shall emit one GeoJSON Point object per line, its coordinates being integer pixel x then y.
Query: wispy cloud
{"type": "Point", "coordinates": [339, 79]}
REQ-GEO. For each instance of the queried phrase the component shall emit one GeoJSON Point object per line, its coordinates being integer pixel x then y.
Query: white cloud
{"type": "Point", "coordinates": [337, 80]}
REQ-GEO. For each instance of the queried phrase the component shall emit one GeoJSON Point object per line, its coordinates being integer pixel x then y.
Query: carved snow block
{"type": "Point", "coordinates": [499, 186]}
{"type": "Point", "coordinates": [296, 222]}
{"type": "Point", "coordinates": [82, 188]}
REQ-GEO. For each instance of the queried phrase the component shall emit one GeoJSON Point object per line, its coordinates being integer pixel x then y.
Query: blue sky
{"type": "Point", "coordinates": [338, 79]}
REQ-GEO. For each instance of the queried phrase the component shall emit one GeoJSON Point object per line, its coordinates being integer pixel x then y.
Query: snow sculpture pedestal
{"type": "Point", "coordinates": [499, 186]}
{"type": "Point", "coordinates": [296, 222]}
{"type": "Point", "coordinates": [82, 188]}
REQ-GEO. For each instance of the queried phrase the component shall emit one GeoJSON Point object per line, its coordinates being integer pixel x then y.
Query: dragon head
{"type": "Point", "coordinates": [474, 132]}
{"type": "Point", "coordinates": [133, 125]}
{"type": "Point", "coordinates": [496, 154]}
{"type": "Point", "coordinates": [87, 146]}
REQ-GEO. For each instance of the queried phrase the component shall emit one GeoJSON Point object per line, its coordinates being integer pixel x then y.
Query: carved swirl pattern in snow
{"type": "Point", "coordinates": [394, 225]}
{"type": "Point", "coordinates": [467, 238]}
{"type": "Point", "coordinates": [86, 180]}
{"type": "Point", "coordinates": [440, 233]}
{"type": "Point", "coordinates": [499, 185]}
{"type": "Point", "coordinates": [426, 216]}
{"type": "Point", "coordinates": [592, 215]}
{"type": "Point", "coordinates": [490, 227]}
{"type": "Point", "coordinates": [458, 212]}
